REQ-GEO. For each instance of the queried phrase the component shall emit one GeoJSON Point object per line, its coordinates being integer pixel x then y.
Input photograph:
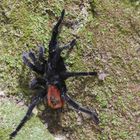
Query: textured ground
{"type": "Point", "coordinates": [108, 41]}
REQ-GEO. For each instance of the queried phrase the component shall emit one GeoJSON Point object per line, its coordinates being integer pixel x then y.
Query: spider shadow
{"type": "Point", "coordinates": [52, 119]}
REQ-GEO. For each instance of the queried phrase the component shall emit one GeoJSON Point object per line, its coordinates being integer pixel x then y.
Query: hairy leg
{"type": "Point", "coordinates": [32, 56]}
{"type": "Point", "coordinates": [55, 32]}
{"type": "Point", "coordinates": [77, 107]}
{"type": "Point", "coordinates": [35, 101]}
{"type": "Point", "coordinates": [35, 66]}
{"type": "Point", "coordinates": [37, 82]}
{"type": "Point", "coordinates": [69, 45]}
{"type": "Point", "coordinates": [66, 75]}
{"type": "Point", "coordinates": [57, 56]}
{"type": "Point", "coordinates": [41, 53]}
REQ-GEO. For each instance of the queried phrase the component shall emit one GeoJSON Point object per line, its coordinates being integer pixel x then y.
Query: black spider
{"type": "Point", "coordinates": [51, 80]}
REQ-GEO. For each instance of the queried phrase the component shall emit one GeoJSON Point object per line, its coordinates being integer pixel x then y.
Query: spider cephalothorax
{"type": "Point", "coordinates": [52, 75]}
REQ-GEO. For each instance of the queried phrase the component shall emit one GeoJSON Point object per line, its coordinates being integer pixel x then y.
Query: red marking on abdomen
{"type": "Point", "coordinates": [54, 97]}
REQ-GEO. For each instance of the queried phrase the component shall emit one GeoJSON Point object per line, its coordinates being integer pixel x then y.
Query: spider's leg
{"type": "Point", "coordinates": [77, 107]}
{"type": "Point", "coordinates": [39, 64]}
{"type": "Point", "coordinates": [55, 32]}
{"type": "Point", "coordinates": [34, 59]}
{"type": "Point", "coordinates": [57, 57]}
{"type": "Point", "coordinates": [42, 59]}
{"type": "Point", "coordinates": [31, 65]}
{"type": "Point", "coordinates": [36, 82]}
{"type": "Point", "coordinates": [69, 45]}
{"type": "Point", "coordinates": [41, 53]}
{"type": "Point", "coordinates": [32, 56]}
{"type": "Point", "coordinates": [28, 63]}
{"type": "Point", "coordinates": [66, 75]}
{"type": "Point", "coordinates": [28, 114]}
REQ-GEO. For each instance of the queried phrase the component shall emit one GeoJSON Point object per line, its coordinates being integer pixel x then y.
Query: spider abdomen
{"type": "Point", "coordinates": [54, 97]}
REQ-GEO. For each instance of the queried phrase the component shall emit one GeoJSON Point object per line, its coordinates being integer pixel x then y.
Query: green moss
{"type": "Point", "coordinates": [11, 114]}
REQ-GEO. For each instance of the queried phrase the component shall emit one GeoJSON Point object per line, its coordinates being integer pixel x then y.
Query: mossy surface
{"type": "Point", "coordinates": [10, 115]}
{"type": "Point", "coordinates": [107, 35]}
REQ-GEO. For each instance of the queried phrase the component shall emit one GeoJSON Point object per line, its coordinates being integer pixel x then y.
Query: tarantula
{"type": "Point", "coordinates": [52, 75]}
